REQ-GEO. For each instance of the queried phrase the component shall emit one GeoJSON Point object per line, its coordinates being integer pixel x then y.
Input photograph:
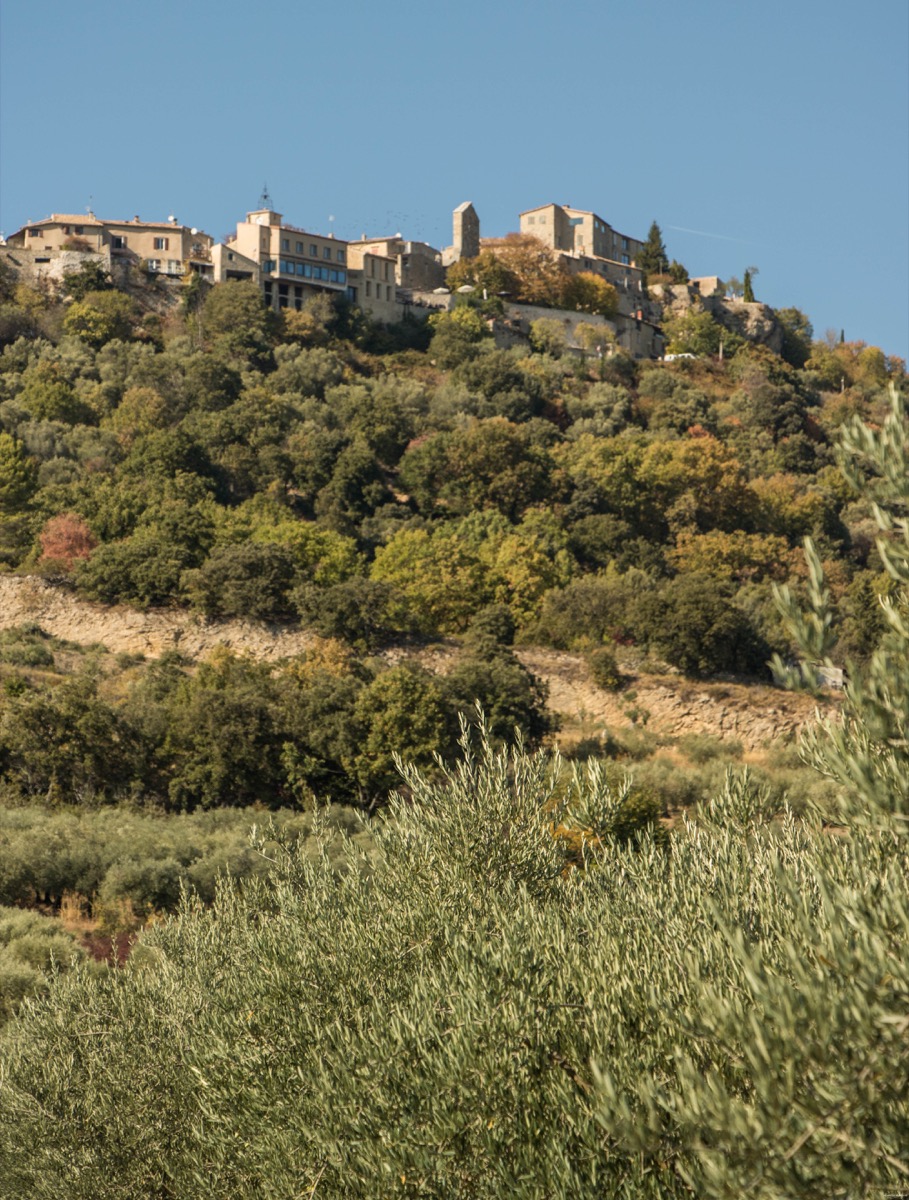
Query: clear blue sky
{"type": "Point", "coordinates": [773, 134]}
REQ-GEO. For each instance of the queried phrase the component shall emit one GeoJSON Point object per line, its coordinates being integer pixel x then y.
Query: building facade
{"type": "Point", "coordinates": [585, 242]}
{"type": "Point", "coordinates": [159, 247]}
{"type": "Point", "coordinates": [418, 266]}
{"type": "Point", "coordinates": [293, 263]}
{"type": "Point", "coordinates": [372, 283]}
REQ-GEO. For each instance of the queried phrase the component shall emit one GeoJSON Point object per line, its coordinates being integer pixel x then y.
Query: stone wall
{"type": "Point", "coordinates": [37, 268]}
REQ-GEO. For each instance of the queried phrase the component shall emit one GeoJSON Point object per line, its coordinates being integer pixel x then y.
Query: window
{"type": "Point", "coordinates": [625, 259]}
{"type": "Point", "coordinates": [340, 256]}
{"type": "Point", "coordinates": [174, 266]}
{"type": "Point", "coordinates": [300, 247]}
{"type": "Point", "coordinates": [287, 268]}
{"type": "Point", "coordinates": [575, 220]}
{"type": "Point", "coordinates": [35, 232]}
{"type": "Point", "coordinates": [326, 251]}
{"type": "Point", "coordinates": [531, 220]}
{"type": "Point", "coordinates": [197, 248]}
{"type": "Point", "coordinates": [307, 271]}
{"type": "Point", "coordinates": [313, 250]}
{"type": "Point", "coordinates": [154, 264]}
{"type": "Point", "coordinates": [285, 243]}
{"type": "Point", "coordinates": [624, 243]}
{"type": "Point", "coordinates": [388, 293]}
{"type": "Point", "coordinates": [77, 229]}
{"type": "Point", "coordinates": [342, 277]}
{"type": "Point", "coordinates": [161, 243]}
{"type": "Point", "coordinates": [118, 243]}
{"type": "Point", "coordinates": [368, 288]}
{"type": "Point", "coordinates": [268, 266]}
{"type": "Point", "coordinates": [333, 276]}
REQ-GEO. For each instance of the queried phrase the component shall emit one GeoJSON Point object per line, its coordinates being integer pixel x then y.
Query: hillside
{"type": "Point", "coordinates": [754, 715]}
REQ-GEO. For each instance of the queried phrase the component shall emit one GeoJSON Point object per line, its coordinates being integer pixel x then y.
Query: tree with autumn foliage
{"type": "Point", "coordinates": [589, 293]}
{"type": "Point", "coordinates": [538, 274]}
{"type": "Point", "coordinates": [65, 540]}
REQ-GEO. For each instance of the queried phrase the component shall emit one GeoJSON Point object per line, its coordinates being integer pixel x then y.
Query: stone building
{"type": "Point", "coordinates": [418, 266]}
{"type": "Point", "coordinates": [228, 263]}
{"type": "Point", "coordinates": [293, 263]}
{"type": "Point", "coordinates": [372, 283]}
{"type": "Point", "coordinates": [160, 247]}
{"type": "Point", "coordinates": [585, 242]}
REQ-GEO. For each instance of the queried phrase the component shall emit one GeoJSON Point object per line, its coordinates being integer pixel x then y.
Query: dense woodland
{"type": "Point", "coordinates": [458, 962]}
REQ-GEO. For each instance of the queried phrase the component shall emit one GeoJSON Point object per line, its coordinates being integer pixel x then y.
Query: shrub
{"type": "Point", "coordinates": [603, 668]}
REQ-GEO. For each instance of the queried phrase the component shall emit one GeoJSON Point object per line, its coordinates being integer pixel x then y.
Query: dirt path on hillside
{"type": "Point", "coordinates": [753, 714]}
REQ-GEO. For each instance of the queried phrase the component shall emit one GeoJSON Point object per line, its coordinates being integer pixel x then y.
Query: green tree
{"type": "Point", "coordinates": [242, 580]}
{"type": "Point", "coordinates": [695, 624]}
{"type": "Point", "coordinates": [223, 741]}
{"type": "Point", "coordinates": [489, 464]}
{"type": "Point", "coordinates": [18, 476]}
{"type": "Point", "coordinates": [91, 278]}
{"type": "Point", "coordinates": [439, 580]}
{"type": "Point", "coordinates": [100, 317]}
{"type": "Point", "coordinates": [652, 257]}
{"type": "Point", "coordinates": [697, 333]}
{"type": "Point", "coordinates": [548, 336]}
{"type": "Point", "coordinates": [49, 396]}
{"type": "Point", "coordinates": [237, 322]}
{"type": "Point", "coordinates": [797, 336]}
{"type": "Point", "coordinates": [456, 336]}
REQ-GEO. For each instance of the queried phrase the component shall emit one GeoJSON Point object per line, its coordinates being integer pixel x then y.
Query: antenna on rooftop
{"type": "Point", "coordinates": [265, 199]}
{"type": "Point", "coordinates": [90, 206]}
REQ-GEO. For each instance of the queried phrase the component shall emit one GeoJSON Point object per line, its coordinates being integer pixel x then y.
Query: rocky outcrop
{"type": "Point", "coordinates": [755, 322]}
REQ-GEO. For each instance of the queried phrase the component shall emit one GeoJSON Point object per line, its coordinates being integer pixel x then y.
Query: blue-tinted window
{"type": "Point", "coordinates": [307, 271]}
{"type": "Point", "coordinates": [287, 268]}
{"type": "Point", "coordinates": [342, 277]}
{"type": "Point", "coordinates": [576, 221]}
{"type": "Point", "coordinates": [333, 276]}
{"type": "Point", "coordinates": [299, 247]}
{"type": "Point", "coordinates": [268, 266]}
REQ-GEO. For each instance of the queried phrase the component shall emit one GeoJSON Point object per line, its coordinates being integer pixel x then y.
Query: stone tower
{"type": "Point", "coordinates": [465, 234]}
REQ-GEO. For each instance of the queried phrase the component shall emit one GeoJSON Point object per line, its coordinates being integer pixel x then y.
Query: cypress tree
{"type": "Point", "coordinates": [653, 258]}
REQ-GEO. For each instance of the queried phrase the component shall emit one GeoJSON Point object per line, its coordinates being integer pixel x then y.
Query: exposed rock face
{"type": "Point", "coordinates": [755, 322]}
{"type": "Point", "coordinates": [752, 714]}
{"type": "Point", "coordinates": [151, 633]}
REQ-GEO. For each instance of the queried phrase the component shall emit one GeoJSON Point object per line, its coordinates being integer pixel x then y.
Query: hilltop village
{"type": "Point", "coordinates": [390, 277]}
